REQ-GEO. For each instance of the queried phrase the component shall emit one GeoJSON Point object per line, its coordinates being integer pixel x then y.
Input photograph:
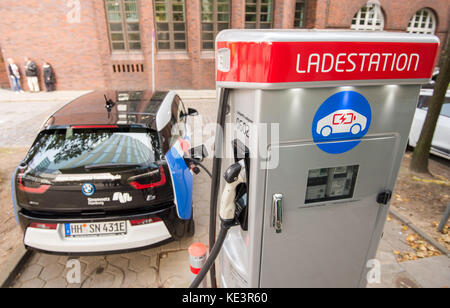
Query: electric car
{"type": "Point", "coordinates": [341, 121]}
{"type": "Point", "coordinates": [440, 145]}
{"type": "Point", "coordinates": [107, 174]}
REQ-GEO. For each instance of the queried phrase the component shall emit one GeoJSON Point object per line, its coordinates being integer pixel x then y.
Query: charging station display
{"type": "Point", "coordinates": [327, 184]}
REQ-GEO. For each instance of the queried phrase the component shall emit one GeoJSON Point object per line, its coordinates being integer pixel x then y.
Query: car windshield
{"type": "Point", "coordinates": [83, 150]}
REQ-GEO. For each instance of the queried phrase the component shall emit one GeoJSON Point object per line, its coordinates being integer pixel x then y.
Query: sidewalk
{"type": "Point", "coordinates": [432, 272]}
{"type": "Point", "coordinates": [8, 96]}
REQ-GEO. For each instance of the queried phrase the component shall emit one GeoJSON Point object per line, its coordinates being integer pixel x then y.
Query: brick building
{"type": "Point", "coordinates": [137, 44]}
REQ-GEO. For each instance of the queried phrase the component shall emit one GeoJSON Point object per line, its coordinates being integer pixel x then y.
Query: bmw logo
{"type": "Point", "coordinates": [88, 189]}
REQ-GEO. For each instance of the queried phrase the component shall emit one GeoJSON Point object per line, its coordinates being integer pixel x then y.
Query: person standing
{"type": "Point", "coordinates": [49, 77]}
{"type": "Point", "coordinates": [14, 75]}
{"type": "Point", "coordinates": [32, 75]}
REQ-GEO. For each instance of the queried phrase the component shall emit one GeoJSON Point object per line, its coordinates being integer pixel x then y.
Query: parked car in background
{"type": "Point", "coordinates": [433, 80]}
{"type": "Point", "coordinates": [441, 140]}
{"type": "Point", "coordinates": [106, 174]}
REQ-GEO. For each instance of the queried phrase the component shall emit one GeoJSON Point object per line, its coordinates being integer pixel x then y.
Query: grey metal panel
{"type": "Point", "coordinates": [315, 35]}
{"type": "Point", "coordinates": [326, 243]}
{"type": "Point", "coordinates": [392, 107]}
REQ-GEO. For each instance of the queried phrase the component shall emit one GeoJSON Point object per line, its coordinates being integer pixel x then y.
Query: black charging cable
{"type": "Point", "coordinates": [198, 163]}
{"type": "Point", "coordinates": [212, 255]}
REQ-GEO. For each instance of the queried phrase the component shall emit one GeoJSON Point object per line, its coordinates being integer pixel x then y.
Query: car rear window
{"type": "Point", "coordinates": [74, 149]}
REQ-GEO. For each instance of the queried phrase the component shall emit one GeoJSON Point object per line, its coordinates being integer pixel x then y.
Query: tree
{"type": "Point", "coordinates": [419, 162]}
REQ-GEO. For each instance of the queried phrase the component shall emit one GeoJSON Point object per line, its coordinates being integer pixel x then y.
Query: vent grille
{"type": "Point", "coordinates": [128, 68]}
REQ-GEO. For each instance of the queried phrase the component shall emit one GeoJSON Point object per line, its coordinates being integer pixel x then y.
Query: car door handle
{"type": "Point", "coordinates": [277, 212]}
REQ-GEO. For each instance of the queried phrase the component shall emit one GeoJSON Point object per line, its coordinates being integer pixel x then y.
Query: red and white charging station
{"type": "Point", "coordinates": [313, 194]}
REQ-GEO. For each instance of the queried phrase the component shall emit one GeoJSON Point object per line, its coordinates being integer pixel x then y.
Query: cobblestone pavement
{"type": "Point", "coordinates": [168, 265]}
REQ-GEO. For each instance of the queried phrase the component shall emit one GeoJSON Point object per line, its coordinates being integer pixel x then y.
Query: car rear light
{"type": "Point", "coordinates": [161, 182]}
{"type": "Point", "coordinates": [32, 190]}
{"type": "Point", "coordinates": [39, 225]}
{"type": "Point", "coordinates": [146, 221]}
{"type": "Point", "coordinates": [94, 126]}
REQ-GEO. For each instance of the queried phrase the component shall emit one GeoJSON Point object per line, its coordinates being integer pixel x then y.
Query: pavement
{"type": "Point", "coordinates": [23, 114]}
{"type": "Point", "coordinates": [167, 266]}
{"type": "Point", "coordinates": [433, 272]}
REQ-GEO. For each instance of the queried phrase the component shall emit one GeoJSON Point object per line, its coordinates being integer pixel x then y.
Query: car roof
{"type": "Point", "coordinates": [131, 108]}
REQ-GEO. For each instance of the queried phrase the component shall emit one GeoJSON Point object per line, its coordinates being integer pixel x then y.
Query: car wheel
{"type": "Point", "coordinates": [179, 229]}
{"type": "Point", "coordinates": [190, 227]}
{"type": "Point", "coordinates": [182, 228]}
{"type": "Point", "coordinates": [409, 147]}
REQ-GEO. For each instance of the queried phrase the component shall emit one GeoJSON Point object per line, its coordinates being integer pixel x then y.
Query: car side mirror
{"type": "Point", "coordinates": [199, 153]}
{"type": "Point", "coordinates": [192, 112]}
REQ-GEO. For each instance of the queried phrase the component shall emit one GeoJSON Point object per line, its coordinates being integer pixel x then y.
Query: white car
{"type": "Point", "coordinates": [341, 121]}
{"type": "Point", "coordinates": [440, 145]}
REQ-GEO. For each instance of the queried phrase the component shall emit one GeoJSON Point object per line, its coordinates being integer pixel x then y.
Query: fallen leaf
{"type": "Point", "coordinates": [411, 238]}
{"type": "Point", "coordinates": [421, 255]}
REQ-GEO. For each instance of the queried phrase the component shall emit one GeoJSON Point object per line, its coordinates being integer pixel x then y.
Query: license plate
{"type": "Point", "coordinates": [95, 229]}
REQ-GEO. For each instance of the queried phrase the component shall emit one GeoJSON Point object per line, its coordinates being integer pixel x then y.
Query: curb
{"type": "Point", "coordinates": [419, 231]}
{"type": "Point", "coordinates": [12, 266]}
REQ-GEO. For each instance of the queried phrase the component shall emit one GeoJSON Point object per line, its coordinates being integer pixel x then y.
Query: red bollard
{"type": "Point", "coordinates": [197, 258]}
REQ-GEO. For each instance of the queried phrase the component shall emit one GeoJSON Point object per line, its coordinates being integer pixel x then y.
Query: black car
{"type": "Point", "coordinates": [107, 173]}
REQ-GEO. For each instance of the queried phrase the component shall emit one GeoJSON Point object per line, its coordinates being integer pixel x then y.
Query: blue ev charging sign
{"type": "Point", "coordinates": [341, 121]}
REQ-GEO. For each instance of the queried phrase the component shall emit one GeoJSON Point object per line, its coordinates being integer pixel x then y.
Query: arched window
{"type": "Point", "coordinates": [369, 17]}
{"type": "Point", "coordinates": [424, 22]}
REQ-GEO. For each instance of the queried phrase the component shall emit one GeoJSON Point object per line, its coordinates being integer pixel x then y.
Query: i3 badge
{"type": "Point", "coordinates": [88, 189]}
{"type": "Point", "coordinates": [341, 121]}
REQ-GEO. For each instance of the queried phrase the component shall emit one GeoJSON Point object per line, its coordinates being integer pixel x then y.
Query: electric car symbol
{"type": "Point", "coordinates": [341, 121]}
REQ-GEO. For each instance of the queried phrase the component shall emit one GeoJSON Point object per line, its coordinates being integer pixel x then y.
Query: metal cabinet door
{"type": "Point", "coordinates": [323, 244]}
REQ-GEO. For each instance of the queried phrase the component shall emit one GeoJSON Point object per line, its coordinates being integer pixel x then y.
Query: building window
{"type": "Point", "coordinates": [369, 18]}
{"type": "Point", "coordinates": [423, 22]}
{"type": "Point", "coordinates": [170, 19]}
{"type": "Point", "coordinates": [215, 18]}
{"type": "Point", "coordinates": [299, 18]}
{"type": "Point", "coordinates": [123, 23]}
{"type": "Point", "coordinates": [258, 14]}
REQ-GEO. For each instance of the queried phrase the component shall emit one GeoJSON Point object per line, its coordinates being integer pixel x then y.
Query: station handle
{"type": "Point", "coordinates": [277, 212]}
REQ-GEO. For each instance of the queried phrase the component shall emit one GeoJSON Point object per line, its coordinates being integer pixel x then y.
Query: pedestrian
{"type": "Point", "coordinates": [14, 75]}
{"type": "Point", "coordinates": [49, 77]}
{"type": "Point", "coordinates": [32, 75]}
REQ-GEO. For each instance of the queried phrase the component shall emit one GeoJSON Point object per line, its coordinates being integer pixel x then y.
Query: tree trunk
{"type": "Point", "coordinates": [419, 162]}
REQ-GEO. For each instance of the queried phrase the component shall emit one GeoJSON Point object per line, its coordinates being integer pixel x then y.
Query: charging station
{"type": "Point", "coordinates": [310, 212]}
